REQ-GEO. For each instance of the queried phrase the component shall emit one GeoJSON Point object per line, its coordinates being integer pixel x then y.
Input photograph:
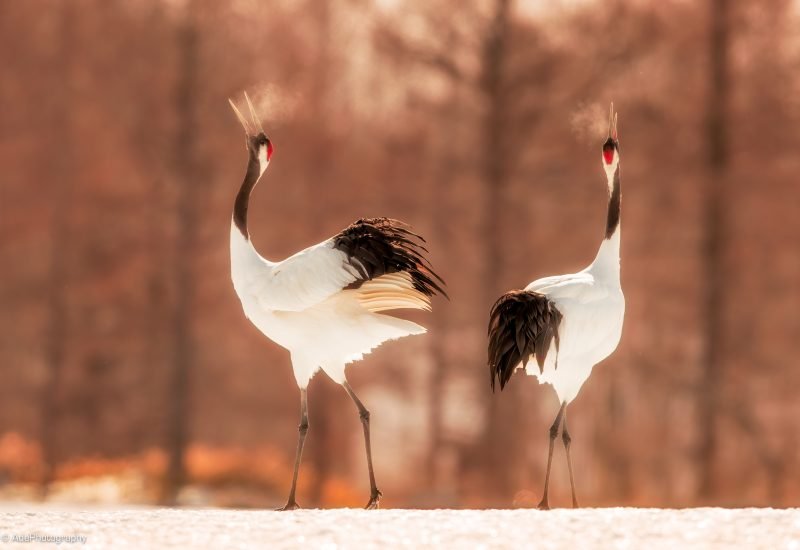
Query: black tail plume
{"type": "Point", "coordinates": [521, 324]}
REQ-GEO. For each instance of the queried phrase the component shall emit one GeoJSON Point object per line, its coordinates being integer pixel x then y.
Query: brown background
{"type": "Point", "coordinates": [123, 348]}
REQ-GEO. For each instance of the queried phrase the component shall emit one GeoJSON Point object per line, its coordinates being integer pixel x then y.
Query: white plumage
{"type": "Point", "coordinates": [303, 305]}
{"type": "Point", "coordinates": [325, 304]}
{"type": "Point", "coordinates": [593, 306]}
{"type": "Point", "coordinates": [558, 328]}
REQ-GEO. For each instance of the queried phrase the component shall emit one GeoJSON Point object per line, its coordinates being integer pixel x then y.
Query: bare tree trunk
{"type": "Point", "coordinates": [500, 446]}
{"type": "Point", "coordinates": [186, 177]}
{"type": "Point", "coordinates": [618, 452]}
{"type": "Point", "coordinates": [63, 107]}
{"type": "Point", "coordinates": [158, 320]}
{"type": "Point", "coordinates": [436, 387]}
{"type": "Point", "coordinates": [436, 393]}
{"type": "Point", "coordinates": [319, 149]}
{"type": "Point", "coordinates": [717, 127]}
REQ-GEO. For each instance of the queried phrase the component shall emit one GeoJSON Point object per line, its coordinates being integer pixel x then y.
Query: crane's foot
{"type": "Point", "coordinates": [544, 505]}
{"type": "Point", "coordinates": [291, 505]}
{"type": "Point", "coordinates": [374, 500]}
{"type": "Point", "coordinates": [575, 502]}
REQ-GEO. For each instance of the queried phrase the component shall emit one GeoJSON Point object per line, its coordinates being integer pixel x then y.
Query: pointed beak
{"type": "Point", "coordinates": [253, 115]}
{"type": "Point", "coordinates": [242, 120]}
{"type": "Point", "coordinates": [612, 123]}
{"type": "Point", "coordinates": [252, 126]}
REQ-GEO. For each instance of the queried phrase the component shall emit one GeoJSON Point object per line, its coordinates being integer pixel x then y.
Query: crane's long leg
{"type": "Point", "coordinates": [291, 502]}
{"type": "Point", "coordinates": [375, 494]}
{"type": "Point", "coordinates": [565, 437]}
{"type": "Point", "coordinates": [544, 505]}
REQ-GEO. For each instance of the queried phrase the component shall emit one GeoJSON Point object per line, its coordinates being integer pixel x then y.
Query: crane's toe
{"type": "Point", "coordinates": [291, 505]}
{"type": "Point", "coordinates": [374, 501]}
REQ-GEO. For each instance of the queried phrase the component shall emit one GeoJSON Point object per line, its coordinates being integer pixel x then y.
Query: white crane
{"type": "Point", "coordinates": [325, 304]}
{"type": "Point", "coordinates": [580, 314]}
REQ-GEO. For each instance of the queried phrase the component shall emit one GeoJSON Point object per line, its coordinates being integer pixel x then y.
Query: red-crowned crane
{"type": "Point", "coordinates": [566, 324]}
{"type": "Point", "coordinates": [326, 303]}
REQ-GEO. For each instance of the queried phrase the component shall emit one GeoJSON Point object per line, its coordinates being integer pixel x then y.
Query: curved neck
{"type": "Point", "coordinates": [252, 176]}
{"type": "Point", "coordinates": [614, 203]}
{"type": "Point", "coordinates": [607, 260]}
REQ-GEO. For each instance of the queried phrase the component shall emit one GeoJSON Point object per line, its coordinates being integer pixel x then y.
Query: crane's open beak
{"type": "Point", "coordinates": [253, 126]}
{"type": "Point", "coordinates": [241, 118]}
{"type": "Point", "coordinates": [612, 123]}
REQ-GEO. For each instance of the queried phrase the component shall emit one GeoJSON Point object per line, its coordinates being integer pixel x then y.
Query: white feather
{"type": "Point", "coordinates": [305, 279]}
{"type": "Point", "coordinates": [302, 305]}
{"type": "Point", "coordinates": [593, 307]}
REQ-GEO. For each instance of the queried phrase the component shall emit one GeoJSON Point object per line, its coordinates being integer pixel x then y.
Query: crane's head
{"type": "Point", "coordinates": [258, 144]}
{"type": "Point", "coordinates": [611, 146]}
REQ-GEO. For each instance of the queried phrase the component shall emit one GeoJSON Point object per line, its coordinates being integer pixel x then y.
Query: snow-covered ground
{"type": "Point", "coordinates": [154, 528]}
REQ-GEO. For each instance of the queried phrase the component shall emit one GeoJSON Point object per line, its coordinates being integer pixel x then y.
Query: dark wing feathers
{"type": "Point", "coordinates": [521, 324]}
{"type": "Point", "coordinates": [378, 246]}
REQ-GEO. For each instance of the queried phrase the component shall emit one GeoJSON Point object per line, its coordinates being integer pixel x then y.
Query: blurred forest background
{"type": "Point", "coordinates": [130, 374]}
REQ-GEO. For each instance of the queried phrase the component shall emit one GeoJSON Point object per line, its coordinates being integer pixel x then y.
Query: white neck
{"type": "Point", "coordinates": [610, 169]}
{"type": "Point", "coordinates": [263, 160]}
{"type": "Point", "coordinates": [606, 263]}
{"type": "Point", "coordinates": [244, 257]}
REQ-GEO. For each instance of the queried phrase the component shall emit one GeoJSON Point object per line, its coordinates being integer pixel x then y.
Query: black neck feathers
{"type": "Point", "coordinates": [614, 203]}
{"type": "Point", "coordinates": [243, 197]}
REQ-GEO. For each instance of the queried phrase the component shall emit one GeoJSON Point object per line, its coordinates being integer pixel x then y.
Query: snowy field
{"type": "Point", "coordinates": [441, 529]}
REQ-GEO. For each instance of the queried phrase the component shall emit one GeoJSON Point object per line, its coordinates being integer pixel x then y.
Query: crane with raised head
{"type": "Point", "coordinates": [327, 304]}
{"type": "Point", "coordinates": [558, 328]}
